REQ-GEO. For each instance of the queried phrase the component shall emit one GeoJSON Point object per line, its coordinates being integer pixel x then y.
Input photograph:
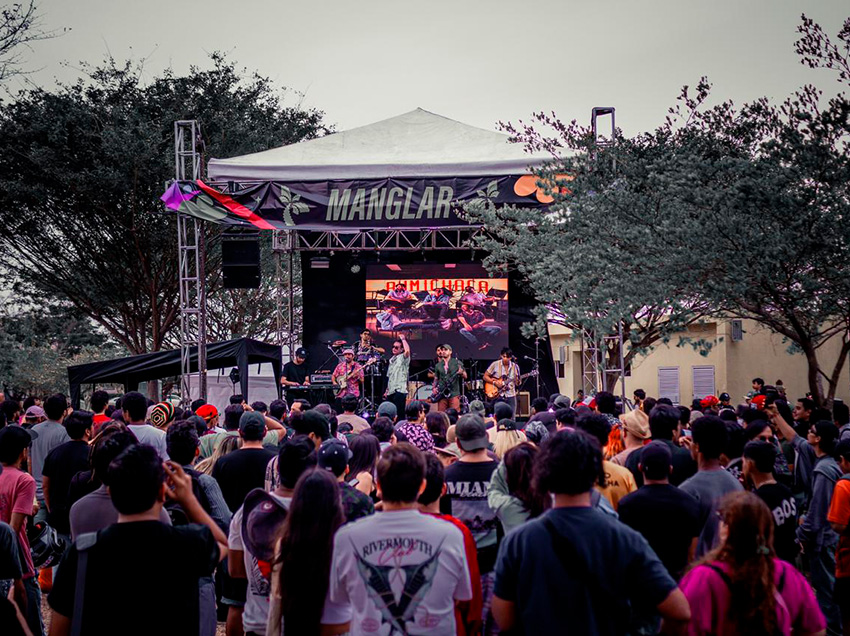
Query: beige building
{"type": "Point", "coordinates": [741, 350]}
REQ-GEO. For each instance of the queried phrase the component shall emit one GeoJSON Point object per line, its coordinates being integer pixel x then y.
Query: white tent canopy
{"type": "Point", "coordinates": [415, 144]}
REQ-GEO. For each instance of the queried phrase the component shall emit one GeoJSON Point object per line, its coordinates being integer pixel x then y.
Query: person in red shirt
{"type": "Point", "coordinates": [467, 613]}
{"type": "Point", "coordinates": [839, 518]}
{"type": "Point", "coordinates": [99, 401]}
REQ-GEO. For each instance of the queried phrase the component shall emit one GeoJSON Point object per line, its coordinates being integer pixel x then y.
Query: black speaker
{"type": "Point", "coordinates": [240, 262]}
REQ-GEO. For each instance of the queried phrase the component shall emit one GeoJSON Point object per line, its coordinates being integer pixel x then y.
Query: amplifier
{"type": "Point", "coordinates": [321, 377]}
{"type": "Point", "coordinates": [523, 404]}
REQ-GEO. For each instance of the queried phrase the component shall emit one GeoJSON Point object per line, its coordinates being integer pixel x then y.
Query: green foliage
{"type": "Point", "coordinates": [83, 168]}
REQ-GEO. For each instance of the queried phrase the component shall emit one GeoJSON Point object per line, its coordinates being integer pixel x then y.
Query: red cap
{"type": "Point", "coordinates": [759, 401]}
{"type": "Point", "coordinates": [207, 411]}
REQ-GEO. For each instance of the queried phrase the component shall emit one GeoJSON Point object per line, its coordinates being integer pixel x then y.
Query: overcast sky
{"type": "Point", "coordinates": [474, 61]}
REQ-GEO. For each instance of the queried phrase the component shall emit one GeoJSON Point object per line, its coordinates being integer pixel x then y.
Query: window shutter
{"type": "Point", "coordinates": [668, 383]}
{"type": "Point", "coordinates": [703, 381]}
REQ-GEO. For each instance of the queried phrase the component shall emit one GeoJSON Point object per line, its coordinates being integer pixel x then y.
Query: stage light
{"type": "Point", "coordinates": [320, 262]}
{"type": "Point", "coordinates": [394, 268]}
{"type": "Point", "coordinates": [355, 265]}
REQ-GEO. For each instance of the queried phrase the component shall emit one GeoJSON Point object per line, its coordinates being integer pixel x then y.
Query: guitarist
{"type": "Point", "coordinates": [351, 372]}
{"type": "Point", "coordinates": [448, 371]}
{"type": "Point", "coordinates": [504, 375]}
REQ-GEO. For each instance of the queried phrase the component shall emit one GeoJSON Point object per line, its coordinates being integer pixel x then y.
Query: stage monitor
{"type": "Point", "coordinates": [436, 303]}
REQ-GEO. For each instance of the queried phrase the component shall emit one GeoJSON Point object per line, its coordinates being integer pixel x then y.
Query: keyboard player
{"type": "Point", "coordinates": [295, 372]}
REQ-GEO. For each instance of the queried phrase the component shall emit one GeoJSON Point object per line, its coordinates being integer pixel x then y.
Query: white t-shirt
{"type": "Point", "coordinates": [401, 572]}
{"type": "Point", "coordinates": [152, 436]}
{"type": "Point", "coordinates": [497, 369]}
{"type": "Point", "coordinates": [256, 611]}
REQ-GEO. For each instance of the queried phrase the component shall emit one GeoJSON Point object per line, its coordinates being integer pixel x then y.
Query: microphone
{"type": "Point", "coordinates": [529, 358]}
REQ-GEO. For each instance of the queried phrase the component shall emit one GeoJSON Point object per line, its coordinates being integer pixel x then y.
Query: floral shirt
{"type": "Point", "coordinates": [353, 385]}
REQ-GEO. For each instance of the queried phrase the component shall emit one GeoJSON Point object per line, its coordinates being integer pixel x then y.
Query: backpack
{"type": "Point", "coordinates": [175, 510]}
{"type": "Point", "coordinates": [781, 606]}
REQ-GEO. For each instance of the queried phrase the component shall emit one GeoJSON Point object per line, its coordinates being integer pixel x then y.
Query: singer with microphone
{"type": "Point", "coordinates": [501, 379]}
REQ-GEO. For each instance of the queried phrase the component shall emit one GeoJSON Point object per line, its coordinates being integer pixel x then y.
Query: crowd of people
{"type": "Point", "coordinates": [143, 518]}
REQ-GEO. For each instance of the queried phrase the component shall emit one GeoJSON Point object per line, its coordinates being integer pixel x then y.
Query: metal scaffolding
{"type": "Point", "coordinates": [191, 260]}
{"type": "Point", "coordinates": [384, 240]}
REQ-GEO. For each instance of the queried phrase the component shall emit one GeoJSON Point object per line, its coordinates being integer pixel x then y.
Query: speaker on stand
{"type": "Point", "coordinates": [240, 261]}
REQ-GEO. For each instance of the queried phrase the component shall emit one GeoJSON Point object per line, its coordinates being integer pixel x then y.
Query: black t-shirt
{"type": "Point", "coordinates": [668, 518]}
{"type": "Point", "coordinates": [295, 372]}
{"type": "Point", "coordinates": [783, 507]}
{"type": "Point", "coordinates": [240, 472]}
{"type": "Point", "coordinates": [141, 578]}
{"type": "Point", "coordinates": [466, 490]}
{"type": "Point", "coordinates": [60, 465]}
{"type": "Point", "coordinates": [684, 465]}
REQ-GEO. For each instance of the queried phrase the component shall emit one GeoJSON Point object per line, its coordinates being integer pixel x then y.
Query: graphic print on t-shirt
{"type": "Point", "coordinates": [397, 590]}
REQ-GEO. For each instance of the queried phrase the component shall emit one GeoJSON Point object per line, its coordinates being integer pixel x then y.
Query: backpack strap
{"type": "Point", "coordinates": [83, 543]}
{"type": "Point", "coordinates": [721, 574]}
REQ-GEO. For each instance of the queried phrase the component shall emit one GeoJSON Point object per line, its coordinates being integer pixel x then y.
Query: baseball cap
{"type": "Point", "coordinates": [387, 409]}
{"type": "Point", "coordinates": [656, 458]}
{"type": "Point", "coordinates": [333, 456]}
{"type": "Point", "coordinates": [16, 438]}
{"type": "Point", "coordinates": [561, 401]}
{"type": "Point", "coordinates": [725, 397]}
{"type": "Point", "coordinates": [263, 515]}
{"type": "Point", "coordinates": [505, 424]}
{"type": "Point", "coordinates": [34, 412]}
{"type": "Point", "coordinates": [477, 407]}
{"type": "Point", "coordinates": [251, 420]}
{"type": "Point", "coordinates": [636, 422]}
{"type": "Point", "coordinates": [447, 347]}
{"type": "Point", "coordinates": [207, 411]}
{"type": "Point", "coordinates": [300, 352]}
{"type": "Point", "coordinates": [759, 401]}
{"type": "Point", "coordinates": [471, 433]}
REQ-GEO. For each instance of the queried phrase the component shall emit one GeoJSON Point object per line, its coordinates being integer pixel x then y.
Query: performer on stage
{"type": "Point", "coordinates": [504, 375]}
{"type": "Point", "coordinates": [397, 374]}
{"type": "Point", "coordinates": [473, 327]}
{"type": "Point", "coordinates": [448, 373]}
{"type": "Point", "coordinates": [351, 371]}
{"type": "Point", "coordinates": [472, 297]}
{"type": "Point", "coordinates": [295, 372]}
{"type": "Point", "coordinates": [436, 303]}
{"type": "Point", "coordinates": [365, 349]}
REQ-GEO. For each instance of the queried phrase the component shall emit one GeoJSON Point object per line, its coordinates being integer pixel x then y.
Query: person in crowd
{"type": "Point", "coordinates": [619, 481]}
{"type": "Point", "coordinates": [278, 410]}
{"type": "Point", "coordinates": [33, 415]}
{"type": "Point", "coordinates": [467, 613]}
{"type": "Point", "coordinates": [805, 451]}
{"type": "Point", "coordinates": [139, 483]}
{"type": "Point", "coordinates": [565, 420]}
{"type": "Point", "coordinates": [349, 405]}
{"type": "Point", "coordinates": [49, 434]}
{"type": "Point", "coordinates": [99, 401]}
{"type": "Point", "coordinates": [606, 404]}
{"type": "Point", "coordinates": [397, 372]}
{"type": "Point", "coordinates": [540, 413]}
{"type": "Point", "coordinates": [841, 417]}
{"type": "Point", "coordinates": [635, 425]}
{"type": "Point", "coordinates": [334, 457]}
{"type": "Point", "coordinates": [60, 466]}
{"type": "Point", "coordinates": [228, 445]}
{"type": "Point", "coordinates": [388, 410]}
{"type": "Point", "coordinates": [430, 550]}
{"type": "Point", "coordinates": [437, 424]}
{"type": "Point", "coordinates": [245, 469]}
{"type": "Point", "coordinates": [638, 396]}
{"type": "Point", "coordinates": [162, 415]}
{"type": "Point", "coordinates": [712, 482]}
{"type": "Point", "coordinates": [300, 595]}
{"type": "Point", "coordinates": [664, 426]}
{"type": "Point", "coordinates": [467, 481]}
{"type": "Point", "coordinates": [667, 517]}
{"type": "Point", "coordinates": [413, 428]}
{"type": "Point", "coordinates": [365, 450]}
{"type": "Point", "coordinates": [507, 437]}
{"type": "Point", "coordinates": [383, 430]}
{"type": "Point", "coordinates": [839, 519]}
{"type": "Point", "coordinates": [573, 568]}
{"type": "Point", "coordinates": [740, 587]}
{"type": "Point", "coordinates": [13, 598]}
{"type": "Point", "coordinates": [255, 528]}
{"type": "Point", "coordinates": [802, 415]}
{"type": "Point", "coordinates": [135, 407]}
{"type": "Point", "coordinates": [511, 494]}
{"type": "Point", "coordinates": [759, 461]}
{"type": "Point", "coordinates": [17, 497]}
{"type": "Point", "coordinates": [536, 432]}
{"type": "Point", "coordinates": [232, 414]}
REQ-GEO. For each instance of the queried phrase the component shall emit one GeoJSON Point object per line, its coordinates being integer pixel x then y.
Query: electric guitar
{"type": "Point", "coordinates": [342, 380]}
{"type": "Point", "coordinates": [493, 390]}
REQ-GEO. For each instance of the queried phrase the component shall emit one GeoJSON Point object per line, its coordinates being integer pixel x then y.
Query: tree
{"type": "Point", "coordinates": [736, 211]}
{"type": "Point", "coordinates": [20, 24]}
{"type": "Point", "coordinates": [83, 168]}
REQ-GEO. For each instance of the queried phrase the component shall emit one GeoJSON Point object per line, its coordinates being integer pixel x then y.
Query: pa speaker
{"type": "Point", "coordinates": [240, 262]}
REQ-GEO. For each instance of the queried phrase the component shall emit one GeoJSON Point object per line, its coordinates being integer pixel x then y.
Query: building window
{"type": "Point", "coordinates": [668, 383]}
{"type": "Point", "coordinates": [703, 381]}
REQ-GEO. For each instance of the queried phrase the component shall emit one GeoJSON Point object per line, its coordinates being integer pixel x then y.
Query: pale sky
{"type": "Point", "coordinates": [471, 60]}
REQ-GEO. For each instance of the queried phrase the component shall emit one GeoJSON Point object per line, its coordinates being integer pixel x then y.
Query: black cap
{"type": "Point", "coordinates": [333, 456]}
{"type": "Point", "coordinates": [252, 422]}
{"type": "Point", "coordinates": [471, 433]}
{"type": "Point", "coordinates": [656, 459]}
{"type": "Point", "coordinates": [725, 397]}
{"type": "Point", "coordinates": [301, 352]}
{"type": "Point", "coordinates": [16, 438]}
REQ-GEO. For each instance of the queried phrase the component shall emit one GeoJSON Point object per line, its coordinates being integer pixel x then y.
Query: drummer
{"type": "Point", "coordinates": [366, 348]}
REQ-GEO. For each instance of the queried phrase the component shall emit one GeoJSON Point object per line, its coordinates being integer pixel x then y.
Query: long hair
{"type": "Point", "coordinates": [306, 547]}
{"type": "Point", "coordinates": [748, 551]}
{"type": "Point", "coordinates": [226, 446]}
{"type": "Point", "coordinates": [506, 440]}
{"type": "Point", "coordinates": [518, 465]}
{"type": "Point", "coordinates": [365, 449]}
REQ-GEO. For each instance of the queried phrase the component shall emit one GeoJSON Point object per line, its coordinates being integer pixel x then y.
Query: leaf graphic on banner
{"type": "Point", "coordinates": [485, 197]}
{"type": "Point", "coordinates": [292, 205]}
{"type": "Point", "coordinates": [492, 189]}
